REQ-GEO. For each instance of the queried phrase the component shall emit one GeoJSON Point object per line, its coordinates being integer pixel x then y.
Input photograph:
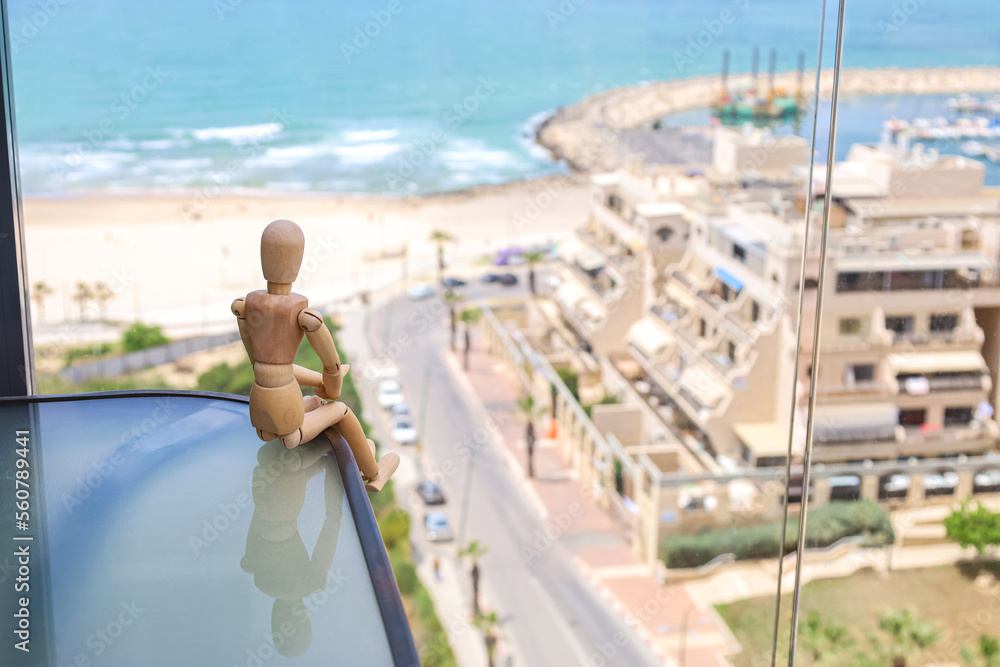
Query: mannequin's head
{"type": "Point", "coordinates": [281, 248]}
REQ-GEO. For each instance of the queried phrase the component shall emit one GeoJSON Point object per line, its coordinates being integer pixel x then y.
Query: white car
{"type": "Point", "coordinates": [420, 291]}
{"type": "Point", "coordinates": [436, 527]}
{"type": "Point", "coordinates": [403, 432]}
{"type": "Point", "coordinates": [389, 394]}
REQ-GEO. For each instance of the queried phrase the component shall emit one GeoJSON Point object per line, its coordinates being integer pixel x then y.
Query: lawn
{"type": "Point", "coordinates": [946, 596]}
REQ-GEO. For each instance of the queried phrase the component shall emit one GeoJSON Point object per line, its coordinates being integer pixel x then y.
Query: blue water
{"type": "Point", "coordinates": [124, 95]}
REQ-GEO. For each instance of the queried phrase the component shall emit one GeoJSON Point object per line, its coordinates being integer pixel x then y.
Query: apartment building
{"type": "Point", "coordinates": [685, 282]}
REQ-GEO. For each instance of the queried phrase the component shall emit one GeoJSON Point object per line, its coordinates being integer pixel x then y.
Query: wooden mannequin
{"type": "Point", "coordinates": [272, 323]}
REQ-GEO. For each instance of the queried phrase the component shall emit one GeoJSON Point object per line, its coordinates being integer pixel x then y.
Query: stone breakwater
{"type": "Point", "coordinates": [585, 134]}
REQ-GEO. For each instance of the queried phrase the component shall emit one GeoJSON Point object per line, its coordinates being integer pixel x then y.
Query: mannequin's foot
{"type": "Point", "coordinates": [293, 439]}
{"type": "Point", "coordinates": [386, 466]}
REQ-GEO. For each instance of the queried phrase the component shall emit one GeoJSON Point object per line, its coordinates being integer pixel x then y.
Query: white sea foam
{"type": "Point", "coordinates": [366, 153]}
{"type": "Point", "coordinates": [163, 144]}
{"type": "Point", "coordinates": [366, 136]}
{"type": "Point", "coordinates": [238, 134]}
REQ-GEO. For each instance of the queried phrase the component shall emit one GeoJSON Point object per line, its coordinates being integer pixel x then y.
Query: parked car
{"type": "Point", "coordinates": [491, 278]}
{"type": "Point", "coordinates": [452, 282]}
{"type": "Point", "coordinates": [437, 528]}
{"type": "Point", "coordinates": [420, 291]}
{"type": "Point", "coordinates": [507, 279]}
{"type": "Point", "coordinates": [430, 493]}
{"type": "Point", "coordinates": [896, 485]}
{"type": "Point", "coordinates": [389, 394]}
{"type": "Point", "coordinates": [987, 480]}
{"type": "Point", "coordinates": [403, 431]}
{"type": "Point", "coordinates": [400, 409]}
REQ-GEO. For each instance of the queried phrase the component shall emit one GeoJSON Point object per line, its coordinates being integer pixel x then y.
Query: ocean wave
{"type": "Point", "coordinates": [367, 136]}
{"type": "Point", "coordinates": [468, 159]}
{"type": "Point", "coordinates": [163, 144]}
{"type": "Point", "coordinates": [237, 134]}
{"type": "Point", "coordinates": [302, 152]}
{"type": "Point", "coordinates": [366, 153]}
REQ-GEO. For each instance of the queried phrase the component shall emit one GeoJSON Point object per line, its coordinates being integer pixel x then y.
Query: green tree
{"type": "Point", "coordinates": [902, 637]}
{"type": "Point", "coordinates": [452, 299]}
{"type": "Point", "coordinates": [532, 258]}
{"type": "Point", "coordinates": [103, 294]}
{"type": "Point", "coordinates": [40, 291]}
{"type": "Point", "coordinates": [83, 296]}
{"type": "Point", "coordinates": [474, 550]}
{"type": "Point", "coordinates": [986, 653]}
{"type": "Point", "coordinates": [439, 238]}
{"type": "Point", "coordinates": [469, 317]}
{"type": "Point", "coordinates": [488, 624]}
{"type": "Point", "coordinates": [978, 528]}
{"type": "Point", "coordinates": [140, 336]}
{"type": "Point", "coordinates": [823, 640]}
{"type": "Point", "coordinates": [529, 412]}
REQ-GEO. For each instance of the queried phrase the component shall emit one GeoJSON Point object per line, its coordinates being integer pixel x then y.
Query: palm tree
{"type": "Point", "coordinates": [823, 640]}
{"type": "Point", "coordinates": [987, 655]}
{"type": "Point", "coordinates": [469, 316]}
{"type": "Point", "coordinates": [452, 298]}
{"type": "Point", "coordinates": [488, 624]}
{"type": "Point", "coordinates": [475, 551]}
{"type": "Point", "coordinates": [83, 296]}
{"type": "Point", "coordinates": [440, 237]}
{"type": "Point", "coordinates": [39, 293]}
{"type": "Point", "coordinates": [532, 257]}
{"type": "Point", "coordinates": [530, 412]}
{"type": "Point", "coordinates": [907, 637]}
{"type": "Point", "coordinates": [103, 294]}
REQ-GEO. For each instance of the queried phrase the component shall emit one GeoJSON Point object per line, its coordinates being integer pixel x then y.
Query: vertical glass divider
{"type": "Point", "coordinates": [798, 337]}
{"type": "Point", "coordinates": [818, 320]}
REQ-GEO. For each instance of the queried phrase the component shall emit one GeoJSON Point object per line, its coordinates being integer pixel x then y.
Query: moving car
{"type": "Point", "coordinates": [430, 493]}
{"type": "Point", "coordinates": [507, 279]}
{"type": "Point", "coordinates": [437, 528]}
{"type": "Point", "coordinates": [389, 394]}
{"type": "Point", "coordinates": [491, 278]}
{"type": "Point", "coordinates": [420, 291]}
{"type": "Point", "coordinates": [403, 431]}
{"type": "Point", "coordinates": [452, 282]}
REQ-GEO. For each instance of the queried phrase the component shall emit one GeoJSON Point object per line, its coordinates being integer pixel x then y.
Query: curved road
{"type": "Point", "coordinates": [551, 615]}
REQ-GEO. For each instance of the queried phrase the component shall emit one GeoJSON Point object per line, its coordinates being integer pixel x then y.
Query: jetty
{"type": "Point", "coordinates": [586, 134]}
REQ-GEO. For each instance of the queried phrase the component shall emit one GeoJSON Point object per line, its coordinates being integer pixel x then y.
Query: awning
{"type": "Point", "coordinates": [936, 362]}
{"type": "Point", "coordinates": [590, 260]}
{"type": "Point", "coordinates": [649, 338]}
{"type": "Point", "coordinates": [729, 279]}
{"type": "Point", "coordinates": [570, 294]}
{"type": "Point", "coordinates": [593, 310]}
{"type": "Point", "coordinates": [708, 392]}
{"type": "Point", "coordinates": [570, 248]}
{"type": "Point", "coordinates": [913, 262]}
{"type": "Point", "coordinates": [856, 422]}
{"type": "Point", "coordinates": [764, 438]}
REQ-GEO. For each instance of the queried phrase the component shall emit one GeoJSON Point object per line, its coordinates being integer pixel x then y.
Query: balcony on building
{"type": "Point", "coordinates": [854, 431]}
{"type": "Point", "coordinates": [920, 374]}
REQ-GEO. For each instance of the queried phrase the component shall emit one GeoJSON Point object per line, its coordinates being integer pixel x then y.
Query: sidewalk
{"type": "Point", "coordinates": [597, 542]}
{"type": "Point", "coordinates": [451, 593]}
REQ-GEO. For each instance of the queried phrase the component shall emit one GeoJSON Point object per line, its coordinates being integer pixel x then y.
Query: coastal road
{"type": "Point", "coordinates": [550, 614]}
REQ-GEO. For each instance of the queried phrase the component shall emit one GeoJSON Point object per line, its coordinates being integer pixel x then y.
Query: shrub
{"type": "Point", "coordinates": [395, 527]}
{"type": "Point", "coordinates": [826, 525]}
{"type": "Point", "coordinates": [228, 379]}
{"type": "Point", "coordinates": [140, 337]}
{"type": "Point", "coordinates": [406, 575]}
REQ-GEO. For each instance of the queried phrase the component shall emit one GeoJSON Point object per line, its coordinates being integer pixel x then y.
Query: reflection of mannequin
{"type": "Point", "coordinates": [276, 555]}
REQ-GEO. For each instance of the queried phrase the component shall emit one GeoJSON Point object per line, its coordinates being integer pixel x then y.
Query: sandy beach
{"type": "Point", "coordinates": [169, 267]}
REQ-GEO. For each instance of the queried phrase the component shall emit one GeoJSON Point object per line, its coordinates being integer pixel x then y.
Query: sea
{"type": "Point", "coordinates": [401, 97]}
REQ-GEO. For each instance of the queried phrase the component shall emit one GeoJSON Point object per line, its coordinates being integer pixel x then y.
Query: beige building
{"type": "Point", "coordinates": [685, 285]}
